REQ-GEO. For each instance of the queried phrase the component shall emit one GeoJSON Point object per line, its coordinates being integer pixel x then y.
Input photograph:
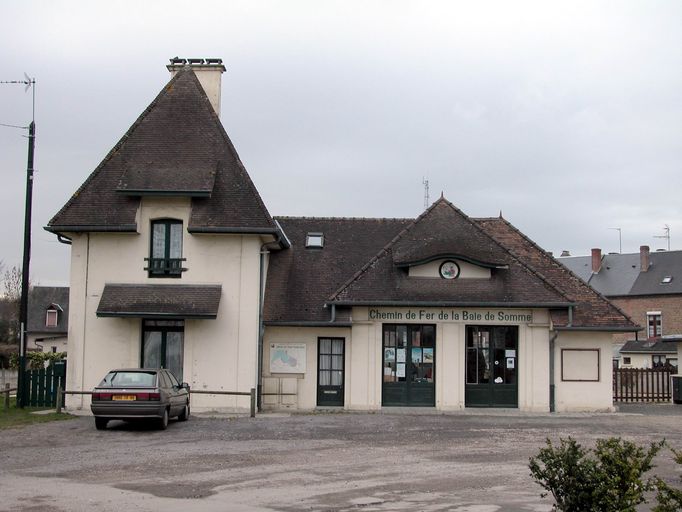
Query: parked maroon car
{"type": "Point", "coordinates": [140, 393]}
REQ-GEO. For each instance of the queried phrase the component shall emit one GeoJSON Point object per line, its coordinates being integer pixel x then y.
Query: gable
{"type": "Point", "coordinates": [176, 147]}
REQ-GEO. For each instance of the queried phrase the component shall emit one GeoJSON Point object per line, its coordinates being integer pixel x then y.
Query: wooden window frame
{"type": "Point", "coordinates": [165, 267]}
{"type": "Point", "coordinates": [598, 379]}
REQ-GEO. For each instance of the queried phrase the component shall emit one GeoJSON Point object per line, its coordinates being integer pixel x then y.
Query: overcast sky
{"type": "Point", "coordinates": [565, 116]}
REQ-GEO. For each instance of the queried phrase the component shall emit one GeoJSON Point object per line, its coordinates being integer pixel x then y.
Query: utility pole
{"type": "Point", "coordinates": [23, 309]}
{"type": "Point", "coordinates": [23, 304]}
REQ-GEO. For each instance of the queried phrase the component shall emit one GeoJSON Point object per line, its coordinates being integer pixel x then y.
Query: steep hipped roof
{"type": "Point", "coordinates": [176, 147]}
{"type": "Point", "coordinates": [448, 232]}
{"type": "Point", "coordinates": [301, 279]}
{"type": "Point", "coordinates": [592, 310]}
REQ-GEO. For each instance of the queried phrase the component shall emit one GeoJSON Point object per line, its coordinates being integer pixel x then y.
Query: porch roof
{"type": "Point", "coordinates": [160, 301]}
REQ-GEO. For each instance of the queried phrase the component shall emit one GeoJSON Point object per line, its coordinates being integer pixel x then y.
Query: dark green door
{"type": "Point", "coordinates": [491, 366]}
{"type": "Point", "coordinates": [330, 375]}
{"type": "Point", "coordinates": [409, 354]}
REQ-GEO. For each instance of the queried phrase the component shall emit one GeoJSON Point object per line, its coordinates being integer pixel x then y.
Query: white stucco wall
{"type": "Point", "coordinates": [364, 361]}
{"type": "Point", "coordinates": [304, 384]}
{"type": "Point", "coordinates": [584, 395]}
{"type": "Point", "coordinates": [219, 354]}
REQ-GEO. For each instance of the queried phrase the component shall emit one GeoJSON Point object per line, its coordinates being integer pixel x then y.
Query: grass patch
{"type": "Point", "coordinates": [16, 417]}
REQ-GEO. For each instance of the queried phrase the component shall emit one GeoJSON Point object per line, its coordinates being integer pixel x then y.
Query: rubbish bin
{"type": "Point", "coordinates": [677, 388]}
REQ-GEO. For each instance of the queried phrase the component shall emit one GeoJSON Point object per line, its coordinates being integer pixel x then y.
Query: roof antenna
{"type": "Point", "coordinates": [427, 201]}
{"type": "Point", "coordinates": [666, 235]}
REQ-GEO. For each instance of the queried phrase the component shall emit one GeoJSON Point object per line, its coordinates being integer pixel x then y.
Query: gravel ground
{"type": "Point", "coordinates": [469, 462]}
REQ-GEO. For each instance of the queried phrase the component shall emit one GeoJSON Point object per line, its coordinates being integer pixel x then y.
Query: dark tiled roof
{"type": "Point", "coordinates": [620, 276]}
{"type": "Point", "coordinates": [301, 280]}
{"type": "Point", "coordinates": [654, 345]}
{"type": "Point", "coordinates": [443, 230]}
{"type": "Point", "coordinates": [448, 231]}
{"type": "Point", "coordinates": [663, 264]}
{"type": "Point", "coordinates": [592, 309]}
{"type": "Point", "coordinates": [177, 146]}
{"type": "Point", "coordinates": [40, 298]}
{"type": "Point", "coordinates": [162, 300]}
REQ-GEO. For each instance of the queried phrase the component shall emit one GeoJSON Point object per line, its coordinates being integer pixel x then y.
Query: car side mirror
{"type": "Point", "coordinates": [184, 385]}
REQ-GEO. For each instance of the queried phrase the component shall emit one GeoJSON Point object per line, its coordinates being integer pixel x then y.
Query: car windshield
{"type": "Point", "coordinates": [133, 379]}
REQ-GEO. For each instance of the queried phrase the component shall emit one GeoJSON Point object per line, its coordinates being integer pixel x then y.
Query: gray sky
{"type": "Point", "coordinates": [566, 116]}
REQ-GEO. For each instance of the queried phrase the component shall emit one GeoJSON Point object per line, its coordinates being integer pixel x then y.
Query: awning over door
{"type": "Point", "coordinates": [160, 301]}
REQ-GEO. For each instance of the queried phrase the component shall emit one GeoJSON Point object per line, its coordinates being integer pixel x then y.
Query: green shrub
{"type": "Point", "coordinates": [669, 499]}
{"type": "Point", "coordinates": [36, 360]}
{"type": "Point", "coordinates": [606, 479]}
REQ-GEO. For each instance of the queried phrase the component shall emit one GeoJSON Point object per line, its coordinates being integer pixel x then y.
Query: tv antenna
{"type": "Point", "coordinates": [620, 239]}
{"type": "Point", "coordinates": [666, 234]}
{"type": "Point", "coordinates": [427, 202]}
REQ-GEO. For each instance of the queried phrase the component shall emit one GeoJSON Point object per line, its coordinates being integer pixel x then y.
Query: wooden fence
{"type": "Point", "coordinates": [642, 385]}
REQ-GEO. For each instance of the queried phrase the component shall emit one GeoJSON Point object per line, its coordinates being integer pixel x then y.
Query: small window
{"type": "Point", "coordinates": [314, 240]}
{"type": "Point", "coordinates": [657, 361]}
{"type": "Point", "coordinates": [51, 318]}
{"type": "Point", "coordinates": [654, 324]}
{"type": "Point", "coordinates": [667, 280]}
{"type": "Point", "coordinates": [54, 350]}
{"type": "Point", "coordinates": [627, 360]}
{"type": "Point", "coordinates": [165, 258]}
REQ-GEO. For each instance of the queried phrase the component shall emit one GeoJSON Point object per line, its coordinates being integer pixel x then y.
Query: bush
{"type": "Point", "coordinates": [37, 360]}
{"type": "Point", "coordinates": [669, 499]}
{"type": "Point", "coordinates": [606, 479]}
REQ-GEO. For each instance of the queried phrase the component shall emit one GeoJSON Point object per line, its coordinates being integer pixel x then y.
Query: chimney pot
{"type": "Point", "coordinates": [644, 263]}
{"type": "Point", "coordinates": [564, 253]}
{"type": "Point", "coordinates": [596, 260]}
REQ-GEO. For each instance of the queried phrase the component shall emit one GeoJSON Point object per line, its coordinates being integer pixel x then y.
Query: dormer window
{"type": "Point", "coordinates": [314, 240]}
{"type": "Point", "coordinates": [166, 249]}
{"type": "Point", "coordinates": [51, 317]}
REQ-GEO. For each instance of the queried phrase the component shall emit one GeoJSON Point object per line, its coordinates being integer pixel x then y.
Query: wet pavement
{"type": "Point", "coordinates": [475, 461]}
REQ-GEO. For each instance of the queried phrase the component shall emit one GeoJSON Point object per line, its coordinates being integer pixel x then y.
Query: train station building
{"type": "Point", "coordinates": [177, 262]}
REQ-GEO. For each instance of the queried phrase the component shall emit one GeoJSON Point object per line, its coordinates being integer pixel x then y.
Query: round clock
{"type": "Point", "coordinates": [449, 270]}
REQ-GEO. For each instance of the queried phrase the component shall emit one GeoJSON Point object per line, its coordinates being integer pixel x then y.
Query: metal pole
{"type": "Point", "coordinates": [23, 308]}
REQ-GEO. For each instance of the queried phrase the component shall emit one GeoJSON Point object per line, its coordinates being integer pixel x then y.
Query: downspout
{"type": "Point", "coordinates": [283, 242]}
{"type": "Point", "coordinates": [261, 284]}
{"type": "Point", "coordinates": [552, 339]}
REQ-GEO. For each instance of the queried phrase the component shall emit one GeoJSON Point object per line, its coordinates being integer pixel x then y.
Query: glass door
{"type": "Point", "coordinates": [409, 353]}
{"type": "Point", "coordinates": [491, 366]}
{"type": "Point", "coordinates": [330, 374]}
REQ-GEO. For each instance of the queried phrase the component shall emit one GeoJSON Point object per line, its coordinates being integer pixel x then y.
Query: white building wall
{"type": "Point", "coordinates": [219, 354]}
{"type": "Point", "coordinates": [586, 394]}
{"type": "Point", "coordinates": [304, 384]}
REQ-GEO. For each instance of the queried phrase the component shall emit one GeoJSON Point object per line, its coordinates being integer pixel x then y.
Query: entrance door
{"type": "Point", "coordinates": [409, 353]}
{"type": "Point", "coordinates": [330, 376]}
{"type": "Point", "coordinates": [491, 366]}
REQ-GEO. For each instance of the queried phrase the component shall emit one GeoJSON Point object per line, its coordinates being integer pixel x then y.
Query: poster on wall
{"type": "Point", "coordinates": [287, 357]}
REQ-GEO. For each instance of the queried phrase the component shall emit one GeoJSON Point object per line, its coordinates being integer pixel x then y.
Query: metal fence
{"type": "Point", "coordinates": [642, 385]}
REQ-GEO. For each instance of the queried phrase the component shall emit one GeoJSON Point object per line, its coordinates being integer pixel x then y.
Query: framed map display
{"type": "Point", "coordinates": [287, 357]}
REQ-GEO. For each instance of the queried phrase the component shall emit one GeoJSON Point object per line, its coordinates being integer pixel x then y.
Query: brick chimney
{"type": "Point", "coordinates": [644, 258]}
{"type": "Point", "coordinates": [208, 72]}
{"type": "Point", "coordinates": [596, 260]}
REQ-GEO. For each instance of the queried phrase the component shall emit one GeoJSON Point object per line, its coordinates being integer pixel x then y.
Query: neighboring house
{"type": "Point", "coordinates": [653, 353]}
{"type": "Point", "coordinates": [647, 286]}
{"type": "Point", "coordinates": [48, 318]}
{"type": "Point", "coordinates": [176, 262]}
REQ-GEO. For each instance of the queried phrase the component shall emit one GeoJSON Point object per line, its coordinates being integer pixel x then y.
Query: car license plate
{"type": "Point", "coordinates": [123, 397]}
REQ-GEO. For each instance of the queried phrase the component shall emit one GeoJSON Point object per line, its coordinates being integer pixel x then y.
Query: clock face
{"type": "Point", "coordinates": [449, 270]}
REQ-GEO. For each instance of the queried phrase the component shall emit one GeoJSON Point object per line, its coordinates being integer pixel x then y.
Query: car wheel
{"type": "Point", "coordinates": [101, 423]}
{"type": "Point", "coordinates": [184, 415]}
{"type": "Point", "coordinates": [163, 422]}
